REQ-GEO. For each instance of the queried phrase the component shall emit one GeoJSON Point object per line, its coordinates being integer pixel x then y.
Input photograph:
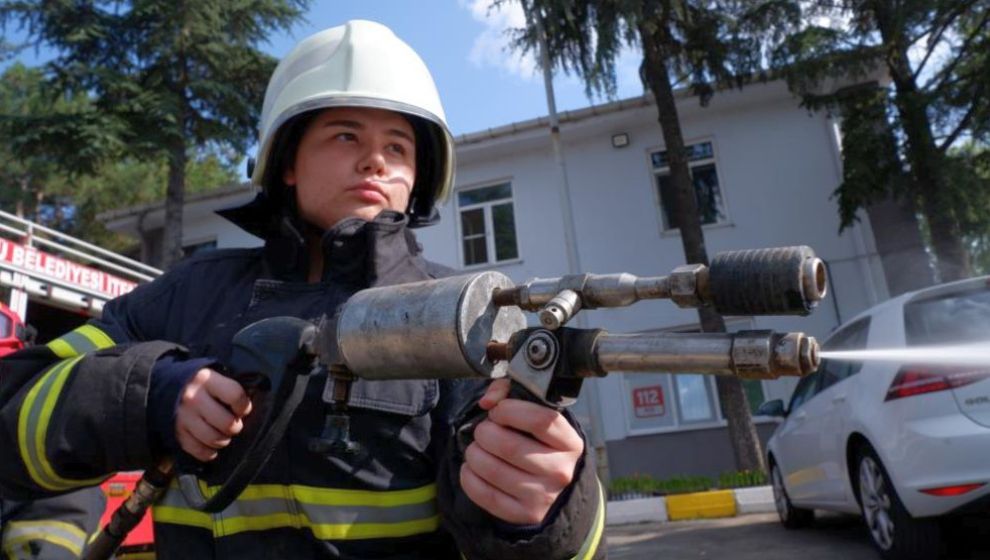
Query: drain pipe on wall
{"type": "Point", "coordinates": [570, 240]}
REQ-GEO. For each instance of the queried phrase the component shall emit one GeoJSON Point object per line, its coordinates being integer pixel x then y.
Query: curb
{"type": "Point", "coordinates": [713, 504]}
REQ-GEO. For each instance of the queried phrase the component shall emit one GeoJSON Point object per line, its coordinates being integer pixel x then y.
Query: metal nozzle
{"type": "Point", "coordinates": [814, 279]}
{"type": "Point", "coordinates": [795, 354]}
{"type": "Point", "coordinates": [746, 354]}
{"type": "Point", "coordinates": [779, 281]}
{"type": "Point", "coordinates": [560, 309]}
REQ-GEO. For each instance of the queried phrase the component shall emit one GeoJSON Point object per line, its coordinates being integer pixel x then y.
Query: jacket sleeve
{"type": "Point", "coordinates": [574, 529]}
{"type": "Point", "coordinates": [74, 410]}
{"type": "Point", "coordinates": [56, 528]}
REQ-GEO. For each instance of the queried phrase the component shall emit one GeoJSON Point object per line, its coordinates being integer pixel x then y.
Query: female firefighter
{"type": "Point", "coordinates": [354, 151]}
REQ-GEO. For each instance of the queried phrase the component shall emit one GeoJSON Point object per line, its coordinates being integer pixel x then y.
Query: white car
{"type": "Point", "coordinates": [905, 445]}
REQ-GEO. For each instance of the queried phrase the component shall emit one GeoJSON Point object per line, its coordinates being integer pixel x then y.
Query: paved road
{"type": "Point", "coordinates": [757, 537]}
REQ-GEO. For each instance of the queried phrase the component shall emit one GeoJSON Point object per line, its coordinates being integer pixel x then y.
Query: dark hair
{"type": "Point", "coordinates": [421, 209]}
{"type": "Point", "coordinates": [283, 155]}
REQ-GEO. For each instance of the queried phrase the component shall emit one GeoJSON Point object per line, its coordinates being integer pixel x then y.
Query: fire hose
{"type": "Point", "coordinates": [474, 326]}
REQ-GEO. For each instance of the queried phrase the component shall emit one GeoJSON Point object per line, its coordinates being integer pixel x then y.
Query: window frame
{"type": "Point", "coordinates": [672, 400]}
{"type": "Point", "coordinates": [655, 172]}
{"type": "Point", "coordinates": [198, 246]}
{"type": "Point", "coordinates": [815, 380]}
{"type": "Point", "coordinates": [489, 222]}
{"type": "Point", "coordinates": [838, 341]}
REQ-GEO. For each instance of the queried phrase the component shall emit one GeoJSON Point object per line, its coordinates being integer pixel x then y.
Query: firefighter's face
{"type": "Point", "coordinates": [353, 162]}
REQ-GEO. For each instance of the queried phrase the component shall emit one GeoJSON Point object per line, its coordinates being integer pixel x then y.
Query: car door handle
{"type": "Point", "coordinates": [839, 399]}
{"type": "Point", "coordinates": [801, 415]}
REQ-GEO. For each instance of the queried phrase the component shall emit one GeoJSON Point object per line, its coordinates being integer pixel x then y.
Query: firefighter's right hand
{"type": "Point", "coordinates": [210, 412]}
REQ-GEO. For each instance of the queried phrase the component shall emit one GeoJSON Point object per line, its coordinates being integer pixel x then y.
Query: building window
{"type": "Point", "coordinates": [695, 398]}
{"type": "Point", "coordinates": [755, 395]}
{"type": "Point", "coordinates": [488, 224]}
{"type": "Point", "coordinates": [197, 248]}
{"type": "Point", "coordinates": [701, 161]}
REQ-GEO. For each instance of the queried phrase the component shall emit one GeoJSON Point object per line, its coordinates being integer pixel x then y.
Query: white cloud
{"type": "Point", "coordinates": [941, 53]}
{"type": "Point", "coordinates": [491, 47]}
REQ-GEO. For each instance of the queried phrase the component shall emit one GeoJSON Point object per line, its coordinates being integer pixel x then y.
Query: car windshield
{"type": "Point", "coordinates": [950, 319]}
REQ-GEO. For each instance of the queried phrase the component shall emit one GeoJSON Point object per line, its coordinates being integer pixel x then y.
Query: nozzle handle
{"type": "Point", "coordinates": [274, 358]}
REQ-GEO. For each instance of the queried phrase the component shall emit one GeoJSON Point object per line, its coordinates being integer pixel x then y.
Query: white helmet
{"type": "Point", "coordinates": [358, 64]}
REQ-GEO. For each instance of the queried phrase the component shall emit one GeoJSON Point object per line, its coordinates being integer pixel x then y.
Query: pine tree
{"type": "Point", "coordinates": [172, 76]}
{"type": "Point", "coordinates": [937, 97]}
{"type": "Point", "coordinates": [702, 44]}
{"type": "Point", "coordinates": [57, 164]}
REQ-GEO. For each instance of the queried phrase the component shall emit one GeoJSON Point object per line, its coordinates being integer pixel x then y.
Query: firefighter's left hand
{"type": "Point", "coordinates": [522, 458]}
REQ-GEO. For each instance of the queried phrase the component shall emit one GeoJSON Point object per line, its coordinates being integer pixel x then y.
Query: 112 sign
{"type": "Point", "coordinates": [648, 401]}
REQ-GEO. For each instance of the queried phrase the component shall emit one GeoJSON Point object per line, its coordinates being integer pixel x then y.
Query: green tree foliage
{"type": "Point", "coordinates": [872, 169]}
{"type": "Point", "coordinates": [703, 44]}
{"type": "Point", "coordinates": [935, 54]}
{"type": "Point", "coordinates": [130, 182]}
{"type": "Point", "coordinates": [968, 170]}
{"type": "Point", "coordinates": [47, 177]}
{"type": "Point", "coordinates": [34, 174]}
{"type": "Point", "coordinates": [169, 77]}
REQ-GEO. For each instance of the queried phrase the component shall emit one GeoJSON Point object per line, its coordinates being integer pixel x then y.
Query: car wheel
{"type": "Point", "coordinates": [791, 517]}
{"type": "Point", "coordinates": [896, 534]}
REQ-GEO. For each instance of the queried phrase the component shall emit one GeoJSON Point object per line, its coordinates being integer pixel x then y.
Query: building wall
{"type": "Point", "coordinates": [703, 452]}
{"type": "Point", "coordinates": [777, 167]}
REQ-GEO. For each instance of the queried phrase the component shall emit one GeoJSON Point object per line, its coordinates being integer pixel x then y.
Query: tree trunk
{"type": "Point", "coordinates": [174, 201]}
{"type": "Point", "coordinates": [19, 210]}
{"type": "Point", "coordinates": [926, 161]}
{"type": "Point", "coordinates": [735, 406]}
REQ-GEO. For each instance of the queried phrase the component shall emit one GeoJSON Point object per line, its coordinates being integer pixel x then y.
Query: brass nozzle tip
{"type": "Point", "coordinates": [814, 279]}
{"type": "Point", "coordinates": [808, 355]}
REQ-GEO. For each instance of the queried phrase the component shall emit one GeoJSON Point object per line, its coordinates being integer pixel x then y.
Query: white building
{"type": "Point", "coordinates": [766, 170]}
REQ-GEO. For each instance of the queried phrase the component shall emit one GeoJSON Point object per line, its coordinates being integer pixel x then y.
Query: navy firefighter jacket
{"type": "Point", "coordinates": [86, 405]}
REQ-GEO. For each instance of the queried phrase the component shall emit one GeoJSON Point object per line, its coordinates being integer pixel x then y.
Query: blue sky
{"type": "Point", "coordinates": [482, 85]}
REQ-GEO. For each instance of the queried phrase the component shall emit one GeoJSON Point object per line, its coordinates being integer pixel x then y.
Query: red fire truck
{"type": "Point", "coordinates": [14, 335]}
{"type": "Point", "coordinates": [51, 283]}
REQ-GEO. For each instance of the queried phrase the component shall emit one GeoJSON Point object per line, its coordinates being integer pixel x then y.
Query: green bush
{"type": "Point", "coordinates": [640, 485]}
{"type": "Point", "coordinates": [742, 479]}
{"type": "Point", "coordinates": [644, 485]}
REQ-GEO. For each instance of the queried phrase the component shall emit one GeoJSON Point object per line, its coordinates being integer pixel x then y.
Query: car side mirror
{"type": "Point", "coordinates": [772, 408]}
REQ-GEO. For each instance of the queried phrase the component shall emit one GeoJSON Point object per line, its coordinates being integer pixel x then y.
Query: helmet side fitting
{"type": "Point", "coordinates": [358, 64]}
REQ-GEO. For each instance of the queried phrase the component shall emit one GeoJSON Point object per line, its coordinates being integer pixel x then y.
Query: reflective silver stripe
{"type": "Point", "coordinates": [78, 342]}
{"type": "Point", "coordinates": [332, 514]}
{"type": "Point", "coordinates": [340, 514]}
{"type": "Point", "coordinates": [18, 534]}
{"type": "Point", "coordinates": [86, 338]}
{"type": "Point", "coordinates": [32, 429]}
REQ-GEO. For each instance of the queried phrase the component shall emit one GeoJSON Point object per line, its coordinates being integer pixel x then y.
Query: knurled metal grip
{"type": "Point", "coordinates": [779, 281]}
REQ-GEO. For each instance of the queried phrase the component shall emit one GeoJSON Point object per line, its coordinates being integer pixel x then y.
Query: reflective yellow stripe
{"type": "Point", "coordinates": [84, 339]}
{"type": "Point", "coordinates": [337, 497]}
{"type": "Point", "coordinates": [330, 514]}
{"type": "Point", "coordinates": [326, 531]}
{"type": "Point", "coordinates": [61, 348]}
{"type": "Point", "coordinates": [99, 338]}
{"type": "Point", "coordinates": [60, 533]}
{"type": "Point", "coordinates": [181, 516]}
{"type": "Point", "coordinates": [9, 544]}
{"type": "Point", "coordinates": [593, 539]}
{"type": "Point", "coordinates": [32, 428]}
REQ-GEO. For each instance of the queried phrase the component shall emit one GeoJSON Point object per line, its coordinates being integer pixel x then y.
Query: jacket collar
{"type": "Point", "coordinates": [356, 252]}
